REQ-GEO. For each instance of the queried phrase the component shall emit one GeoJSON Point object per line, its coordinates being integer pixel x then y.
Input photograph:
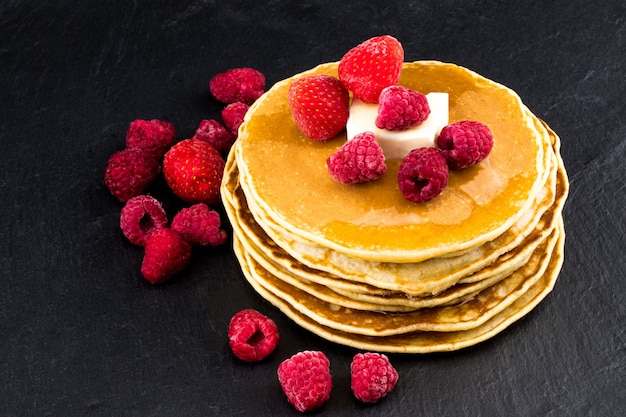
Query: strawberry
{"type": "Point", "coordinates": [167, 252]}
{"type": "Point", "coordinates": [371, 66]}
{"type": "Point", "coordinates": [193, 170]}
{"type": "Point", "coordinates": [319, 105]}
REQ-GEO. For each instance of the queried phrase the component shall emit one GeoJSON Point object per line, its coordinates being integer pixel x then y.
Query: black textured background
{"type": "Point", "coordinates": [82, 334]}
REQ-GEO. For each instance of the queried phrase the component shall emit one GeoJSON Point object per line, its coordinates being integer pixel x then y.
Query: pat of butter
{"type": "Point", "coordinates": [398, 143]}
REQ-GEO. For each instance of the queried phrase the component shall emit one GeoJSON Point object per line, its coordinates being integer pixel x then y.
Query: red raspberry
{"type": "Point", "coordinates": [167, 252]}
{"type": "Point", "coordinates": [233, 115]}
{"type": "Point", "coordinates": [238, 84]}
{"type": "Point", "coordinates": [215, 134]}
{"type": "Point", "coordinates": [400, 108]}
{"type": "Point", "coordinates": [465, 143]}
{"type": "Point", "coordinates": [141, 216]}
{"type": "Point", "coordinates": [129, 172]}
{"type": "Point", "coordinates": [193, 170]}
{"type": "Point", "coordinates": [358, 160]}
{"type": "Point", "coordinates": [305, 379]}
{"type": "Point", "coordinates": [372, 376]}
{"type": "Point", "coordinates": [154, 135]}
{"type": "Point", "coordinates": [252, 336]}
{"type": "Point", "coordinates": [422, 175]}
{"type": "Point", "coordinates": [200, 225]}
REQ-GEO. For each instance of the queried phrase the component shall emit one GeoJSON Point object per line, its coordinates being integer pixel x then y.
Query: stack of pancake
{"type": "Point", "coordinates": [360, 265]}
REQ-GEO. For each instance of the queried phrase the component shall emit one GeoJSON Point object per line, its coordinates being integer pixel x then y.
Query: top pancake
{"type": "Point", "coordinates": [284, 173]}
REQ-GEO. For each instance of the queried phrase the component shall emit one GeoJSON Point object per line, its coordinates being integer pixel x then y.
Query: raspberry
{"type": "Point", "coordinates": [167, 252]}
{"type": "Point", "coordinates": [233, 116]}
{"type": "Point", "coordinates": [238, 84]}
{"type": "Point", "coordinates": [215, 134]}
{"type": "Point", "coordinates": [465, 143]}
{"type": "Point", "coordinates": [200, 225]}
{"type": "Point", "coordinates": [358, 160]}
{"type": "Point", "coordinates": [401, 108]}
{"type": "Point", "coordinates": [141, 216]}
{"type": "Point", "coordinates": [422, 175]}
{"type": "Point", "coordinates": [129, 172]}
{"type": "Point", "coordinates": [372, 376]}
{"type": "Point", "coordinates": [252, 336]}
{"type": "Point", "coordinates": [156, 136]}
{"type": "Point", "coordinates": [305, 379]}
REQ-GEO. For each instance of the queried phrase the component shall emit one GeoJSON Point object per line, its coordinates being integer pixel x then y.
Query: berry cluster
{"type": "Point", "coordinates": [149, 150]}
{"type": "Point", "coordinates": [371, 71]}
{"type": "Point", "coordinates": [193, 170]}
{"type": "Point", "coordinates": [423, 173]}
{"type": "Point", "coordinates": [305, 377]}
{"type": "Point", "coordinates": [237, 88]}
{"type": "Point", "coordinates": [129, 171]}
{"type": "Point", "coordinates": [320, 103]}
{"type": "Point", "coordinates": [167, 250]}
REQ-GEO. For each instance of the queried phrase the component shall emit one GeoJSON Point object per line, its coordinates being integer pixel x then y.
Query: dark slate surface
{"type": "Point", "coordinates": [84, 335]}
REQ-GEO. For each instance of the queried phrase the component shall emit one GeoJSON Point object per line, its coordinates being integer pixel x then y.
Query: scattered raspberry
{"type": "Point", "coordinates": [252, 336]}
{"type": "Point", "coordinates": [465, 143]}
{"type": "Point", "coordinates": [167, 252]}
{"type": "Point", "coordinates": [238, 84]}
{"type": "Point", "coordinates": [422, 175]}
{"type": "Point", "coordinates": [200, 225]}
{"type": "Point", "coordinates": [129, 172]}
{"type": "Point", "coordinates": [233, 115]}
{"type": "Point", "coordinates": [371, 66]}
{"type": "Point", "coordinates": [372, 376]}
{"type": "Point", "coordinates": [358, 160]}
{"type": "Point", "coordinates": [140, 216]}
{"type": "Point", "coordinates": [306, 380]}
{"type": "Point", "coordinates": [156, 136]}
{"type": "Point", "coordinates": [193, 169]}
{"type": "Point", "coordinates": [215, 134]}
{"type": "Point", "coordinates": [401, 108]}
{"type": "Point", "coordinates": [319, 105]}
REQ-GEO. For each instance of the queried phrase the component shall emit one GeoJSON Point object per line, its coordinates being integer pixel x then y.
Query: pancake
{"type": "Point", "coordinates": [361, 266]}
{"type": "Point", "coordinates": [428, 277]}
{"type": "Point", "coordinates": [463, 316]}
{"type": "Point", "coordinates": [423, 278]}
{"type": "Point", "coordinates": [426, 341]}
{"type": "Point", "coordinates": [266, 252]}
{"type": "Point", "coordinates": [284, 174]}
